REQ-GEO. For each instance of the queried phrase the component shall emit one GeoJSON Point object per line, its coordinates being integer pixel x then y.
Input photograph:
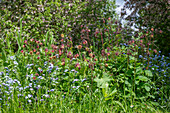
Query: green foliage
{"type": "Point", "coordinates": [59, 17]}
{"type": "Point", "coordinates": [54, 72]}
{"type": "Point", "coordinates": [148, 15]}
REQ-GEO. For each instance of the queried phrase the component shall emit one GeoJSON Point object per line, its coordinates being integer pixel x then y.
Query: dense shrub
{"type": "Point", "coordinates": [57, 17]}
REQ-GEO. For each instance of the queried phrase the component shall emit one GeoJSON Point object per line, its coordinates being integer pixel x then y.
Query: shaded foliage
{"type": "Point", "coordinates": [58, 17]}
{"type": "Point", "coordinates": [149, 14]}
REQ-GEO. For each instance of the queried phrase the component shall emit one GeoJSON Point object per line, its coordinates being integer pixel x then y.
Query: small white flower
{"type": "Point", "coordinates": [12, 57]}
{"type": "Point", "coordinates": [15, 62]}
{"type": "Point", "coordinates": [29, 101]}
{"type": "Point", "coordinates": [29, 96]}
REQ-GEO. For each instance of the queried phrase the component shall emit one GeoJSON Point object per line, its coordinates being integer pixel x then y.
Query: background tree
{"type": "Point", "coordinates": [66, 17]}
{"type": "Point", "coordinates": [148, 14]}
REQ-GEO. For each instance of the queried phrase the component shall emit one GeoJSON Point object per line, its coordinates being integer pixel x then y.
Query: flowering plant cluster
{"type": "Point", "coordinates": [102, 68]}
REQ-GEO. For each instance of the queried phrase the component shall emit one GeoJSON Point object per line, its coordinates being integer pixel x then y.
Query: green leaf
{"type": "Point", "coordinates": [147, 88]}
{"type": "Point", "coordinates": [148, 73]}
{"type": "Point", "coordinates": [113, 92]}
{"type": "Point", "coordinates": [142, 78]}
{"type": "Point", "coordinates": [102, 83]}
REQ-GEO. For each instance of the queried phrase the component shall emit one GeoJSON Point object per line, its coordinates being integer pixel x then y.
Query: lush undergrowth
{"type": "Point", "coordinates": [104, 72]}
{"type": "Point", "coordinates": [122, 76]}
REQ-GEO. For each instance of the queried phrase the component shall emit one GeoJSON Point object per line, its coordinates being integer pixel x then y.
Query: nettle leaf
{"type": "Point", "coordinates": [148, 73]}
{"type": "Point", "coordinates": [142, 78]}
{"type": "Point", "coordinates": [139, 70]}
{"type": "Point", "coordinates": [102, 82]}
{"type": "Point", "coordinates": [147, 88]}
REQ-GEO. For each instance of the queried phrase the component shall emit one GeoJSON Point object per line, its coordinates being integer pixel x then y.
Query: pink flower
{"type": "Point", "coordinates": [25, 41]}
{"type": "Point", "coordinates": [116, 53]}
{"type": "Point", "coordinates": [46, 50]}
{"type": "Point", "coordinates": [34, 78]}
{"type": "Point", "coordinates": [22, 51]}
{"type": "Point", "coordinates": [32, 40]}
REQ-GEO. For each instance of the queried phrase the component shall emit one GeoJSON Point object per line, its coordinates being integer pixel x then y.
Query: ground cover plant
{"type": "Point", "coordinates": [103, 71]}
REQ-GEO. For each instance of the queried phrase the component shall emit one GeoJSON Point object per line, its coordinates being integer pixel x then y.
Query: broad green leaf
{"type": "Point", "coordinates": [142, 78]}
{"type": "Point", "coordinates": [148, 73]}
{"type": "Point", "coordinates": [147, 88]}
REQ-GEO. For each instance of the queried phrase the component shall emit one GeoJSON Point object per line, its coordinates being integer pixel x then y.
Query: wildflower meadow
{"type": "Point", "coordinates": [92, 69]}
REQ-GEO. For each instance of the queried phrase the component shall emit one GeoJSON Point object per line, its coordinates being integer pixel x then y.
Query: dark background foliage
{"type": "Point", "coordinates": [59, 17]}
{"type": "Point", "coordinates": [147, 14]}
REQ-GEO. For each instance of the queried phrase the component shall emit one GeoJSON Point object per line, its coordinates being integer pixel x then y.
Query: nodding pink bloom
{"type": "Point", "coordinates": [22, 51]}
{"type": "Point", "coordinates": [62, 46]}
{"type": "Point", "coordinates": [59, 52]}
{"type": "Point", "coordinates": [37, 42]}
{"type": "Point", "coordinates": [81, 26]}
{"type": "Point", "coordinates": [79, 46]}
{"type": "Point", "coordinates": [160, 31]}
{"type": "Point", "coordinates": [108, 49]}
{"type": "Point", "coordinates": [41, 43]}
{"type": "Point", "coordinates": [62, 40]}
{"type": "Point", "coordinates": [109, 18]}
{"type": "Point", "coordinates": [141, 41]}
{"type": "Point", "coordinates": [25, 41]}
{"type": "Point", "coordinates": [37, 46]}
{"type": "Point", "coordinates": [69, 53]}
{"type": "Point", "coordinates": [51, 58]}
{"type": "Point", "coordinates": [46, 50]}
{"type": "Point", "coordinates": [77, 65]}
{"type": "Point", "coordinates": [82, 30]}
{"type": "Point", "coordinates": [37, 53]}
{"type": "Point", "coordinates": [62, 63]}
{"type": "Point", "coordinates": [77, 55]}
{"type": "Point", "coordinates": [36, 74]}
{"type": "Point", "coordinates": [116, 53]}
{"type": "Point", "coordinates": [146, 68]}
{"type": "Point", "coordinates": [34, 78]}
{"type": "Point", "coordinates": [148, 43]}
{"type": "Point", "coordinates": [152, 29]}
{"type": "Point", "coordinates": [54, 57]}
{"type": "Point", "coordinates": [52, 45]}
{"type": "Point", "coordinates": [148, 53]}
{"type": "Point", "coordinates": [91, 55]}
{"type": "Point", "coordinates": [103, 52]}
{"type": "Point", "coordinates": [63, 60]}
{"type": "Point", "coordinates": [38, 58]}
{"type": "Point", "coordinates": [108, 54]}
{"type": "Point", "coordinates": [68, 45]}
{"type": "Point", "coordinates": [133, 41]}
{"type": "Point", "coordinates": [84, 42]}
{"type": "Point", "coordinates": [106, 65]}
{"type": "Point", "coordinates": [128, 53]}
{"type": "Point", "coordinates": [32, 40]}
{"type": "Point", "coordinates": [155, 50]}
{"type": "Point", "coordinates": [31, 52]}
{"type": "Point", "coordinates": [23, 46]}
{"type": "Point", "coordinates": [86, 49]}
{"type": "Point", "coordinates": [130, 42]}
{"type": "Point", "coordinates": [95, 59]}
{"type": "Point", "coordinates": [34, 50]}
{"type": "Point", "coordinates": [52, 51]}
